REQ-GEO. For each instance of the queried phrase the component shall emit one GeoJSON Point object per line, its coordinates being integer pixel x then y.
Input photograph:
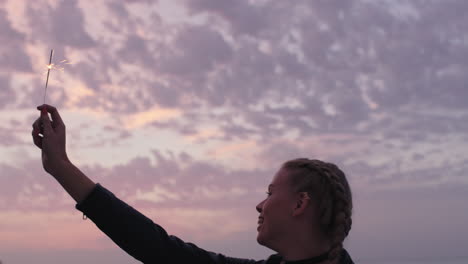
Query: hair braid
{"type": "Point", "coordinates": [328, 184]}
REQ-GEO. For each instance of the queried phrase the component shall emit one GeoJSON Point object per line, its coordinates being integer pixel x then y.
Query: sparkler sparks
{"type": "Point", "coordinates": [53, 66]}
{"type": "Point", "coordinates": [49, 67]}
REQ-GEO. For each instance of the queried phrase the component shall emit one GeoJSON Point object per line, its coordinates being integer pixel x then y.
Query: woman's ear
{"type": "Point", "coordinates": [302, 203]}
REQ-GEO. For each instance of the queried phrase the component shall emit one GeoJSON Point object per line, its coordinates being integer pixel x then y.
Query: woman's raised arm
{"type": "Point", "coordinates": [50, 137]}
{"type": "Point", "coordinates": [138, 235]}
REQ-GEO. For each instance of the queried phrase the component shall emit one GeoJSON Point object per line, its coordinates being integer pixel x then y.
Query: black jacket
{"type": "Point", "coordinates": [148, 242]}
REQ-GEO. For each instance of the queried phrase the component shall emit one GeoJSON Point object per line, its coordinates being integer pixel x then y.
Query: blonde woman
{"type": "Point", "coordinates": [305, 217]}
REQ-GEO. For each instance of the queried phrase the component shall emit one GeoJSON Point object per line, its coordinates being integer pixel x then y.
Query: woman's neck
{"type": "Point", "coordinates": [320, 259]}
{"type": "Point", "coordinates": [304, 248]}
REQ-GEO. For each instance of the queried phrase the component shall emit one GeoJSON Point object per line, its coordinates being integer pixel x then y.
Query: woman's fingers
{"type": "Point", "coordinates": [48, 128]}
{"type": "Point", "coordinates": [56, 119]}
{"type": "Point", "coordinates": [46, 123]}
{"type": "Point", "coordinates": [35, 133]}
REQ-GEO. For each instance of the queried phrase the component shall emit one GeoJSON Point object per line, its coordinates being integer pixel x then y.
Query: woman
{"type": "Point", "coordinates": [305, 217]}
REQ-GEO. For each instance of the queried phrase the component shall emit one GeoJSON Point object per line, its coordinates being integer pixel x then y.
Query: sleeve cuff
{"type": "Point", "coordinates": [92, 196]}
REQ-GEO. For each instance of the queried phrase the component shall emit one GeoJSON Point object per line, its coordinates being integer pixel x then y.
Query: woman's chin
{"type": "Point", "coordinates": [259, 240]}
{"type": "Point", "coordinates": [260, 236]}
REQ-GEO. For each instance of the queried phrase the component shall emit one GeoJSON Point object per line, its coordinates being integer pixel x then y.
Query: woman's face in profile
{"type": "Point", "coordinates": [276, 210]}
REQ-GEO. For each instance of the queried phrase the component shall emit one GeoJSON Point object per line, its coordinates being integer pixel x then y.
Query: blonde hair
{"type": "Point", "coordinates": [327, 184]}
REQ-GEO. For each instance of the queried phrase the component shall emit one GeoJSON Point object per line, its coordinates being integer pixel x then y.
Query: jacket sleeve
{"type": "Point", "coordinates": [142, 238]}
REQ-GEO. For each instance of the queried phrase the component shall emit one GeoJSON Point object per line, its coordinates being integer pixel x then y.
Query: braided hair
{"type": "Point", "coordinates": [327, 184]}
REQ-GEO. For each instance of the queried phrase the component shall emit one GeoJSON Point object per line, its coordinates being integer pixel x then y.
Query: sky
{"type": "Point", "coordinates": [186, 109]}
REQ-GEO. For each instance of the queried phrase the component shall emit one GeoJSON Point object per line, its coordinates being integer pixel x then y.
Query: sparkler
{"type": "Point", "coordinates": [49, 67]}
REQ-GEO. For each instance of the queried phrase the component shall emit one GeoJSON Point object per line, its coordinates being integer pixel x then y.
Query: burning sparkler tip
{"type": "Point", "coordinates": [49, 67]}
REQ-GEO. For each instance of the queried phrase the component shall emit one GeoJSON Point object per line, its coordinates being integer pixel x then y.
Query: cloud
{"type": "Point", "coordinates": [12, 54]}
{"type": "Point", "coordinates": [7, 94]}
{"type": "Point", "coordinates": [294, 79]}
{"type": "Point", "coordinates": [168, 178]}
{"type": "Point", "coordinates": [242, 16]}
{"type": "Point", "coordinates": [68, 26]}
{"type": "Point", "coordinates": [156, 114]}
{"type": "Point", "coordinates": [135, 50]}
{"type": "Point", "coordinates": [195, 50]}
{"type": "Point", "coordinates": [339, 81]}
{"type": "Point", "coordinates": [156, 195]}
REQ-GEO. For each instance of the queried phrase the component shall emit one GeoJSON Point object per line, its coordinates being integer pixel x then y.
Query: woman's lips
{"type": "Point", "coordinates": [260, 222]}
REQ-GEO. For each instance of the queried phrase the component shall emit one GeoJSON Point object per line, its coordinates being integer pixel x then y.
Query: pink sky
{"type": "Point", "coordinates": [186, 110]}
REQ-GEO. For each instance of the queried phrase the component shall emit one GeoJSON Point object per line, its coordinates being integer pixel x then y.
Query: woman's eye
{"type": "Point", "coordinates": [268, 193]}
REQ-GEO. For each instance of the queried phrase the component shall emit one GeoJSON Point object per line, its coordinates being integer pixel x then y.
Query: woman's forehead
{"type": "Point", "coordinates": [280, 178]}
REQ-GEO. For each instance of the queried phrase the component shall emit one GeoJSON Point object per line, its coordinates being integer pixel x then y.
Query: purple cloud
{"type": "Point", "coordinates": [68, 26]}
{"type": "Point", "coordinates": [13, 57]}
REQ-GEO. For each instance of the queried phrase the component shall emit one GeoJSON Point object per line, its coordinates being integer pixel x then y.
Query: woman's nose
{"type": "Point", "coordinates": [259, 207]}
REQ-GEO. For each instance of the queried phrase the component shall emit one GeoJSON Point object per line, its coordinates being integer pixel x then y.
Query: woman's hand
{"type": "Point", "coordinates": [52, 142]}
{"type": "Point", "coordinates": [54, 156]}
